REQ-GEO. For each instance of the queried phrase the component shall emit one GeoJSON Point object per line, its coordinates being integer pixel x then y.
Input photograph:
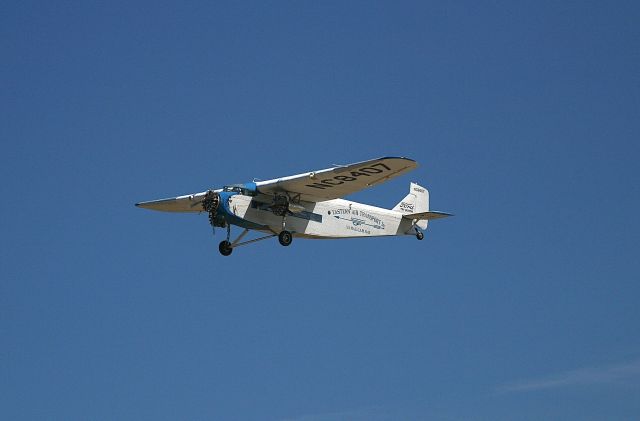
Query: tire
{"type": "Point", "coordinates": [285, 238]}
{"type": "Point", "coordinates": [419, 235]}
{"type": "Point", "coordinates": [225, 248]}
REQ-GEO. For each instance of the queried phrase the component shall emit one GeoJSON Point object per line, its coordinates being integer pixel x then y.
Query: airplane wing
{"type": "Point", "coordinates": [186, 203]}
{"type": "Point", "coordinates": [339, 181]}
{"type": "Point", "coordinates": [426, 215]}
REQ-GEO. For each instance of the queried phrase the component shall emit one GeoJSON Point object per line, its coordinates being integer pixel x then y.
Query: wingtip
{"type": "Point", "coordinates": [399, 157]}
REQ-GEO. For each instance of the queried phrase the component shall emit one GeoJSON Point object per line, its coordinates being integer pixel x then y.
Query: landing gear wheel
{"type": "Point", "coordinates": [419, 235]}
{"type": "Point", "coordinates": [225, 248]}
{"type": "Point", "coordinates": [285, 238]}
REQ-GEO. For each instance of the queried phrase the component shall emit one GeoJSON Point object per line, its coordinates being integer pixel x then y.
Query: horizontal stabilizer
{"type": "Point", "coordinates": [426, 215]}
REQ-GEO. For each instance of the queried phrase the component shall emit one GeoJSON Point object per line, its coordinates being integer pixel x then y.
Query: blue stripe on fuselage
{"type": "Point", "coordinates": [230, 217]}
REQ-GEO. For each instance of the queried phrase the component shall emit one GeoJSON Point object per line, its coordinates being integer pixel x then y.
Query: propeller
{"type": "Point", "coordinates": [210, 203]}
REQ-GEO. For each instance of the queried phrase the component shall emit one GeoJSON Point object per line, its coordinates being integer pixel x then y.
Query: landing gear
{"type": "Point", "coordinates": [419, 235]}
{"type": "Point", "coordinates": [280, 207]}
{"type": "Point", "coordinates": [285, 238]}
{"type": "Point", "coordinates": [225, 248]}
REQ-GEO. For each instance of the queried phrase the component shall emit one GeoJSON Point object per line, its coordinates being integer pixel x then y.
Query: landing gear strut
{"type": "Point", "coordinates": [285, 237]}
{"type": "Point", "coordinates": [280, 207]}
{"type": "Point", "coordinates": [225, 246]}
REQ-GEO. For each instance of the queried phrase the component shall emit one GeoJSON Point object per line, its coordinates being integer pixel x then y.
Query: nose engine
{"type": "Point", "coordinates": [210, 204]}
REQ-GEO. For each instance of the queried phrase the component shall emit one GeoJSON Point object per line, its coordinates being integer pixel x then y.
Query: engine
{"type": "Point", "coordinates": [210, 204]}
{"type": "Point", "coordinates": [280, 205]}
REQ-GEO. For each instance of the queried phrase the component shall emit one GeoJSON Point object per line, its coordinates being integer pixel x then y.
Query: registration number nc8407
{"type": "Point", "coordinates": [353, 176]}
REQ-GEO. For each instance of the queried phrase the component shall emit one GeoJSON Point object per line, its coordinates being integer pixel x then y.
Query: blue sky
{"type": "Point", "coordinates": [524, 117]}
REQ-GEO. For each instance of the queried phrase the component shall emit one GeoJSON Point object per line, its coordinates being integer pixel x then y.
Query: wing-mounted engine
{"type": "Point", "coordinates": [283, 205]}
{"type": "Point", "coordinates": [280, 205]}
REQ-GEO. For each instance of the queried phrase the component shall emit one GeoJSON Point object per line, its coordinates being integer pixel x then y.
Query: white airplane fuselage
{"type": "Point", "coordinates": [336, 218]}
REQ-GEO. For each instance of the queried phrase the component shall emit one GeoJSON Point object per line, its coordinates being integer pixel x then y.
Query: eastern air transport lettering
{"type": "Point", "coordinates": [341, 179]}
{"type": "Point", "coordinates": [374, 221]}
{"type": "Point", "coordinates": [340, 211]}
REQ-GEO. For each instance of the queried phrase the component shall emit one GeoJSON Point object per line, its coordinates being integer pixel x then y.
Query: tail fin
{"type": "Point", "coordinates": [416, 201]}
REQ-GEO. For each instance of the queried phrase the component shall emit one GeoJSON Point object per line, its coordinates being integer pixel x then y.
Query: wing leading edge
{"type": "Point", "coordinates": [186, 203]}
{"type": "Point", "coordinates": [339, 181]}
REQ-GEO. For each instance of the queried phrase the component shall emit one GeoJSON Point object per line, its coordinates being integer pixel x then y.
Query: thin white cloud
{"type": "Point", "coordinates": [583, 376]}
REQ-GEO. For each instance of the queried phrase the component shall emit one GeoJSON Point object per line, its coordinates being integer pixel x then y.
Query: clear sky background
{"type": "Point", "coordinates": [524, 117]}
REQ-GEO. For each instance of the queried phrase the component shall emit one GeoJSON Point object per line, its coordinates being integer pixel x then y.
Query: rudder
{"type": "Point", "coordinates": [415, 202]}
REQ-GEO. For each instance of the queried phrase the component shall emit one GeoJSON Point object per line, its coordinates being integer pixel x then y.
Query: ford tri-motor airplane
{"type": "Point", "coordinates": [310, 205]}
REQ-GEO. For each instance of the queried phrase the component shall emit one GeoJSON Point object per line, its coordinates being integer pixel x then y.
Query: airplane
{"type": "Point", "coordinates": [310, 205]}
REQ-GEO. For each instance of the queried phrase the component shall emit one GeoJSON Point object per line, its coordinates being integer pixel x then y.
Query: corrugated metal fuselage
{"type": "Point", "coordinates": [335, 218]}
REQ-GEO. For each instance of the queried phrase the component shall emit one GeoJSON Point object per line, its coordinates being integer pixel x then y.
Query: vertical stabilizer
{"type": "Point", "coordinates": [415, 202]}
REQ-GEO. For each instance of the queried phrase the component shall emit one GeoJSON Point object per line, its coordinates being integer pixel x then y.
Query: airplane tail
{"type": "Point", "coordinates": [417, 201]}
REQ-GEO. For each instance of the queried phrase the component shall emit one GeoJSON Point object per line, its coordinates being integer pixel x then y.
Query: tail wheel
{"type": "Point", "coordinates": [285, 238]}
{"type": "Point", "coordinates": [225, 248]}
{"type": "Point", "coordinates": [419, 235]}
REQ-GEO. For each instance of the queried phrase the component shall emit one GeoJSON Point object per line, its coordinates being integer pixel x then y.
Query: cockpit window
{"type": "Point", "coordinates": [239, 189]}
